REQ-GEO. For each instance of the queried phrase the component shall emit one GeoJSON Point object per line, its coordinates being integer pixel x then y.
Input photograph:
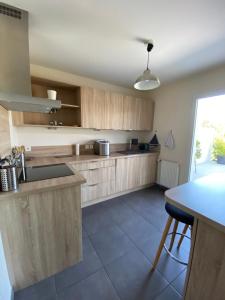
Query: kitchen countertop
{"type": "Point", "coordinates": [60, 182]}
{"type": "Point", "coordinates": [203, 198]}
{"type": "Point", "coordinates": [37, 161]}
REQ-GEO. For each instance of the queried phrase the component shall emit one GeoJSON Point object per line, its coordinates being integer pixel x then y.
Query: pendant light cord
{"type": "Point", "coordinates": [148, 60]}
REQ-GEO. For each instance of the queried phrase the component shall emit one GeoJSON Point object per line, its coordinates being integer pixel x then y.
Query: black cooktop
{"type": "Point", "coordinates": [44, 172]}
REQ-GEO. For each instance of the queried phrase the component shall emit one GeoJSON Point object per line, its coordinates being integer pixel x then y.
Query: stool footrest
{"type": "Point", "coordinates": [171, 254]}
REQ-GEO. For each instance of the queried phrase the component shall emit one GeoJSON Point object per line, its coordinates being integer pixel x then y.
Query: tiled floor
{"type": "Point", "coordinates": [120, 238]}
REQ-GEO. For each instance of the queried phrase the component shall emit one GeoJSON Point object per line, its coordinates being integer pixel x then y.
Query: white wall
{"type": "Point", "coordinates": [5, 286]}
{"type": "Point", "coordinates": [43, 137]}
{"type": "Point", "coordinates": [175, 109]}
{"type": "Point", "coordinates": [28, 136]}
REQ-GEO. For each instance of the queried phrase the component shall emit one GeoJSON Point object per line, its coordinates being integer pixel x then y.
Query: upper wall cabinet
{"type": "Point", "coordinates": [106, 110]}
{"type": "Point", "coordinates": [88, 107]}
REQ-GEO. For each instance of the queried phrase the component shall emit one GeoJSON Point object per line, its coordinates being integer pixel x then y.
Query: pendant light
{"type": "Point", "coordinates": [147, 81]}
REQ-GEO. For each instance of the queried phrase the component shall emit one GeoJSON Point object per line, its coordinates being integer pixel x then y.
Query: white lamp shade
{"type": "Point", "coordinates": [147, 81]}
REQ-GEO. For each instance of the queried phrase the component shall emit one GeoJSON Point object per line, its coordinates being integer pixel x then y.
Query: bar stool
{"type": "Point", "coordinates": [179, 216]}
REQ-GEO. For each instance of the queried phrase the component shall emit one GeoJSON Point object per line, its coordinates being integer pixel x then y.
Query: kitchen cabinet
{"type": "Point", "coordinates": [129, 113]}
{"type": "Point", "coordinates": [100, 179]}
{"type": "Point", "coordinates": [68, 115]}
{"type": "Point", "coordinates": [108, 110]}
{"type": "Point", "coordinates": [93, 106]}
{"type": "Point", "coordinates": [88, 107]}
{"type": "Point", "coordinates": [106, 178]}
{"type": "Point", "coordinates": [135, 171]}
{"type": "Point", "coordinates": [114, 111]}
{"type": "Point", "coordinates": [101, 109]}
{"type": "Point", "coordinates": [138, 113]}
{"type": "Point", "coordinates": [41, 232]}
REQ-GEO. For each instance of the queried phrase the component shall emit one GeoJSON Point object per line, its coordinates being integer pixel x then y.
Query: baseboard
{"type": "Point", "coordinates": [95, 201]}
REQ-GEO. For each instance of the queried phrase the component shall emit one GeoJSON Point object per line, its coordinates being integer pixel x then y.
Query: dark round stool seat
{"type": "Point", "coordinates": [179, 214]}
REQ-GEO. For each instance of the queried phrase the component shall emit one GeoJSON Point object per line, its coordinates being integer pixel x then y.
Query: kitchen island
{"type": "Point", "coordinates": [205, 200]}
{"type": "Point", "coordinates": [41, 228]}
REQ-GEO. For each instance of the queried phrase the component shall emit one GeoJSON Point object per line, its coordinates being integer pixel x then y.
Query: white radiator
{"type": "Point", "coordinates": [167, 173]}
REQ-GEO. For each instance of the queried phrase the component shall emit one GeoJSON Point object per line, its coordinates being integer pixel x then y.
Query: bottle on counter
{"type": "Point", "coordinates": [77, 149]}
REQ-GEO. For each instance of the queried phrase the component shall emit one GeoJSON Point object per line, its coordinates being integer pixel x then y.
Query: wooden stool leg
{"type": "Point", "coordinates": [173, 235]}
{"type": "Point", "coordinates": [182, 237]}
{"type": "Point", "coordinates": [163, 239]}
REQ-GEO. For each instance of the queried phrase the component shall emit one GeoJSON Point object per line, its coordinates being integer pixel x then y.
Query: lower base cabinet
{"type": "Point", "coordinates": [132, 172]}
{"type": "Point", "coordinates": [111, 177]}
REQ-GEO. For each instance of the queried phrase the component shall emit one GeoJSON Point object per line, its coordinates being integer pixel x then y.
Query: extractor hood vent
{"type": "Point", "coordinates": [15, 80]}
{"type": "Point", "coordinates": [11, 12]}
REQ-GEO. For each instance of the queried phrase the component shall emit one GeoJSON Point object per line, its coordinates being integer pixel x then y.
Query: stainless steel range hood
{"type": "Point", "coordinates": [15, 80]}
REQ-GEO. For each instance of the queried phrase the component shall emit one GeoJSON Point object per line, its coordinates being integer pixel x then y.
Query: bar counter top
{"type": "Point", "coordinates": [203, 198]}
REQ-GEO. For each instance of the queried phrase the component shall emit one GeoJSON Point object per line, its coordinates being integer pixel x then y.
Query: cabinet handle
{"type": "Point", "coordinates": [93, 169]}
{"type": "Point", "coordinates": [93, 184]}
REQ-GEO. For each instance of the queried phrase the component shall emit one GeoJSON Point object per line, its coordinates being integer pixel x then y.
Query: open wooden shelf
{"type": "Point", "coordinates": [69, 114]}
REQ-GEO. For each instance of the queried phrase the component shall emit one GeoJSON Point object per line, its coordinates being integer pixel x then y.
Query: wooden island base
{"type": "Point", "coordinates": [41, 233]}
{"type": "Point", "coordinates": [204, 199]}
{"type": "Point", "coordinates": [206, 273]}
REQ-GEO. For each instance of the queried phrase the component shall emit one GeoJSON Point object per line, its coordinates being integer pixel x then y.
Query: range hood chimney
{"type": "Point", "coordinates": [15, 80]}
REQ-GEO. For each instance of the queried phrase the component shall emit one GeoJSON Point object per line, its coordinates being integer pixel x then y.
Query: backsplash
{"type": "Point", "coordinates": [28, 136]}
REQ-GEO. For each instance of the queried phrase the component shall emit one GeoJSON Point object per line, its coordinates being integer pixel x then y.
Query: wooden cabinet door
{"type": "Point", "coordinates": [114, 111]}
{"type": "Point", "coordinates": [147, 111]}
{"type": "Point", "coordinates": [121, 175]}
{"type": "Point", "coordinates": [132, 172]}
{"type": "Point", "coordinates": [127, 173]}
{"type": "Point", "coordinates": [129, 113]}
{"type": "Point", "coordinates": [93, 104]}
{"type": "Point", "coordinates": [147, 165]}
{"type": "Point", "coordinates": [143, 114]}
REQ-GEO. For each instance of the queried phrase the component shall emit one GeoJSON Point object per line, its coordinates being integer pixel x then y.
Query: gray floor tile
{"type": "Point", "coordinates": [150, 246]}
{"type": "Point", "coordinates": [169, 294]}
{"type": "Point", "coordinates": [169, 268]}
{"type": "Point", "coordinates": [139, 230]}
{"type": "Point", "coordinates": [131, 277]}
{"type": "Point", "coordinates": [43, 290]}
{"type": "Point", "coordinates": [178, 283]}
{"type": "Point", "coordinates": [121, 212]}
{"type": "Point", "coordinates": [111, 243]}
{"type": "Point", "coordinates": [90, 264]}
{"type": "Point", "coordinates": [98, 220]}
{"type": "Point", "coordinates": [95, 287]}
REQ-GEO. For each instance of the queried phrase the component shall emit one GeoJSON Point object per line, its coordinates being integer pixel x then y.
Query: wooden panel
{"type": "Point", "coordinates": [41, 234]}
{"type": "Point", "coordinates": [135, 171]}
{"type": "Point", "coordinates": [129, 113]}
{"type": "Point", "coordinates": [206, 278]}
{"type": "Point", "coordinates": [93, 164]}
{"type": "Point", "coordinates": [93, 102]}
{"type": "Point", "coordinates": [17, 118]}
{"type": "Point", "coordinates": [5, 144]}
{"type": "Point", "coordinates": [95, 191]}
{"type": "Point", "coordinates": [114, 111]}
{"type": "Point", "coordinates": [147, 114]}
{"type": "Point", "coordinates": [94, 176]}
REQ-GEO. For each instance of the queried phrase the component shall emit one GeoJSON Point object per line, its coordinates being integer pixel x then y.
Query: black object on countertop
{"type": "Point", "coordinates": [37, 173]}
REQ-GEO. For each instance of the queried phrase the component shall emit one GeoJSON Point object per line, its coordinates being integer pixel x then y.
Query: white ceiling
{"type": "Point", "coordinates": [100, 38]}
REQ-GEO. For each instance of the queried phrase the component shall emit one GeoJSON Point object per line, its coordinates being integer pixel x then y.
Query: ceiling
{"type": "Point", "coordinates": [101, 39]}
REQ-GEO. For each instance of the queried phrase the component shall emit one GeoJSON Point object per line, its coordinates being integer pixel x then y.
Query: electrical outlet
{"type": "Point", "coordinates": [27, 148]}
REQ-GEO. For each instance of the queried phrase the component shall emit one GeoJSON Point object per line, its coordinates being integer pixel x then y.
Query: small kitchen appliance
{"type": "Point", "coordinates": [101, 147]}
